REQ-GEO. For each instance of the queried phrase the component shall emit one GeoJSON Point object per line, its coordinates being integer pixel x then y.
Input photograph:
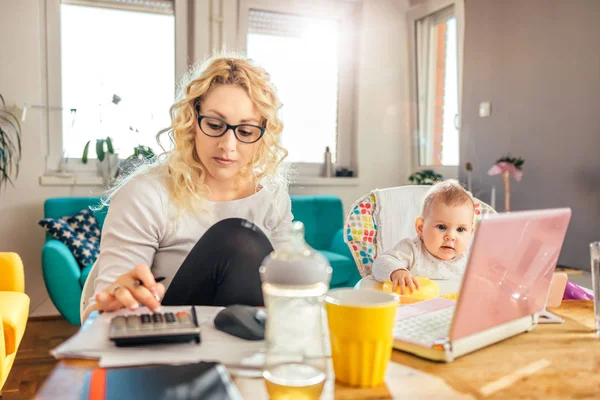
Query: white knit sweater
{"type": "Point", "coordinates": [141, 228]}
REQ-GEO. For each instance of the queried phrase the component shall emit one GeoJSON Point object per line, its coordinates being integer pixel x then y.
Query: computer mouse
{"type": "Point", "coordinates": [245, 322]}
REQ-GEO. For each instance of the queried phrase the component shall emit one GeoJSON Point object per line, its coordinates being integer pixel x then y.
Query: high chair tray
{"type": "Point", "coordinates": [445, 287]}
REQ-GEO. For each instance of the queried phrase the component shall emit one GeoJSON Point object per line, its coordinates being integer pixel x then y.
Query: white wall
{"type": "Point", "coordinates": [22, 81]}
{"type": "Point", "coordinates": [381, 121]}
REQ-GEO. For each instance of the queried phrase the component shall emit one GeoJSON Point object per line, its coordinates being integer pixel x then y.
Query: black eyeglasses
{"type": "Point", "coordinates": [216, 127]}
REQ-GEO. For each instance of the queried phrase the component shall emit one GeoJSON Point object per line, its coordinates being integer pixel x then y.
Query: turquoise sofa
{"type": "Point", "coordinates": [323, 219]}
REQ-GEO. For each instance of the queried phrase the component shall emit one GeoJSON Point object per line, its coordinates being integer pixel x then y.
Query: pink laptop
{"type": "Point", "coordinates": [505, 287]}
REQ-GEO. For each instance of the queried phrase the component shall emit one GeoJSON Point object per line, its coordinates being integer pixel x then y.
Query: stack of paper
{"type": "Point", "coordinates": [92, 342]}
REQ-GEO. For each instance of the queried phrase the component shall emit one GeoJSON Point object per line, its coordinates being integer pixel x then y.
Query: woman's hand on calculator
{"type": "Point", "coordinates": [127, 291]}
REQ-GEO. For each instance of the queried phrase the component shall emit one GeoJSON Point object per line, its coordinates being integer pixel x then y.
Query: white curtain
{"type": "Point", "coordinates": [426, 43]}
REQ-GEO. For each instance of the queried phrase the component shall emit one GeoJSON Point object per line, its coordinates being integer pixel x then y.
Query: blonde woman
{"type": "Point", "coordinates": [206, 214]}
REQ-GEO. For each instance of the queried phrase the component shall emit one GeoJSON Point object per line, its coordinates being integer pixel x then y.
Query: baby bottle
{"type": "Point", "coordinates": [294, 280]}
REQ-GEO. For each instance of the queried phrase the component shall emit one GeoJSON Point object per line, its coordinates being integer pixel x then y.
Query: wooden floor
{"type": "Point", "coordinates": [34, 362]}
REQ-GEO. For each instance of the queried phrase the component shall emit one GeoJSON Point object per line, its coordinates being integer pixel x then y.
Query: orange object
{"type": "Point", "coordinates": [98, 384]}
{"type": "Point", "coordinates": [557, 289]}
{"type": "Point", "coordinates": [428, 289]}
{"type": "Point", "coordinates": [451, 296]}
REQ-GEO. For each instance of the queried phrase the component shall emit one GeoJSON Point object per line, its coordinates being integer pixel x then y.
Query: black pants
{"type": "Point", "coordinates": [222, 268]}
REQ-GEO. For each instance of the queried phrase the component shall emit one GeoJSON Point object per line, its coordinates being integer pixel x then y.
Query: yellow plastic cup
{"type": "Point", "coordinates": [360, 328]}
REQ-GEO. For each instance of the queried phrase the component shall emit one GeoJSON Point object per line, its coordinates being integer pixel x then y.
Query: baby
{"type": "Point", "coordinates": [443, 234]}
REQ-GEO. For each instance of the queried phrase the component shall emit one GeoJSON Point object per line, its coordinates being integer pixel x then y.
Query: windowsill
{"type": "Point", "coordinates": [67, 179]}
{"type": "Point", "coordinates": [321, 181]}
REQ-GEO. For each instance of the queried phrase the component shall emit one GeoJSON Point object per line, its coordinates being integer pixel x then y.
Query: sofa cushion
{"type": "Point", "coordinates": [85, 272]}
{"type": "Point", "coordinates": [80, 232]}
{"type": "Point", "coordinates": [56, 207]}
{"type": "Point", "coordinates": [342, 268]}
{"type": "Point", "coordinates": [14, 310]}
{"type": "Point", "coordinates": [322, 217]}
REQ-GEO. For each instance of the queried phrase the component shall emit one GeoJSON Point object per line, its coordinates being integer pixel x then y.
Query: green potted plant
{"type": "Point", "coordinates": [103, 147]}
{"type": "Point", "coordinates": [108, 160]}
{"type": "Point", "coordinates": [425, 177]}
{"type": "Point", "coordinates": [10, 145]}
{"type": "Point", "coordinates": [141, 152]}
{"type": "Point", "coordinates": [141, 155]}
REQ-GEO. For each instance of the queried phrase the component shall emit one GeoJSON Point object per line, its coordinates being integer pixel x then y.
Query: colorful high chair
{"type": "Point", "coordinates": [366, 239]}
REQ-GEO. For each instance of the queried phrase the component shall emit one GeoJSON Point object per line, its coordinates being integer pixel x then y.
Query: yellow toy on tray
{"type": "Point", "coordinates": [428, 289]}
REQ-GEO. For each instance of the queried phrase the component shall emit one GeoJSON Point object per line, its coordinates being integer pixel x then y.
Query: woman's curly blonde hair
{"type": "Point", "coordinates": [181, 165]}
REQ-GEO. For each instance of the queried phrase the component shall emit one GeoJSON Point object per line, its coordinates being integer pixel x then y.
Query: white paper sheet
{"type": "Point", "coordinates": [91, 341]}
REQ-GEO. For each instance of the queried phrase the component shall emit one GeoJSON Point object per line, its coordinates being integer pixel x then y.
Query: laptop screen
{"type": "Point", "coordinates": [510, 268]}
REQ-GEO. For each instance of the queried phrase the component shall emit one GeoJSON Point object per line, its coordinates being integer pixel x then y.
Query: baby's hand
{"type": "Point", "coordinates": [402, 278]}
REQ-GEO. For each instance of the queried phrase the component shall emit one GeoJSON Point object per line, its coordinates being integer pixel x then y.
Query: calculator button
{"type": "Point", "coordinates": [146, 320]}
{"type": "Point", "coordinates": [183, 317]}
{"type": "Point", "coordinates": [157, 318]}
{"type": "Point", "coordinates": [119, 323]}
{"type": "Point", "coordinates": [169, 317]}
{"type": "Point", "coordinates": [133, 322]}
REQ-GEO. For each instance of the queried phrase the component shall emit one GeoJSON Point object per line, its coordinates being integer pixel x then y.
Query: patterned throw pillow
{"type": "Point", "coordinates": [80, 232]}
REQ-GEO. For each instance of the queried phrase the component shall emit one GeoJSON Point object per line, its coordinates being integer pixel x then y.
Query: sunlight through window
{"type": "Point", "coordinates": [302, 56]}
{"type": "Point", "coordinates": [118, 74]}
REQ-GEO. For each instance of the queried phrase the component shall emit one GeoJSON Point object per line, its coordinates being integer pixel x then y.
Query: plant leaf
{"type": "Point", "coordinates": [5, 177]}
{"type": "Point", "coordinates": [84, 156]}
{"type": "Point", "coordinates": [8, 151]}
{"type": "Point", "coordinates": [10, 145]}
{"type": "Point", "coordinates": [3, 163]}
{"type": "Point", "coordinates": [16, 129]}
{"type": "Point", "coordinates": [109, 145]}
{"type": "Point", "coordinates": [100, 149]}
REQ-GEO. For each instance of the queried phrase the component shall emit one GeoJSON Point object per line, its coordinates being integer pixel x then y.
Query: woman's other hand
{"type": "Point", "coordinates": [127, 292]}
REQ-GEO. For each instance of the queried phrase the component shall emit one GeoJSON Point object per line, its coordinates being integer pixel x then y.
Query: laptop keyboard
{"type": "Point", "coordinates": [425, 328]}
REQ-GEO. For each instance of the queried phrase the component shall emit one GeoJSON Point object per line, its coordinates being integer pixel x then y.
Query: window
{"type": "Point", "coordinates": [437, 89]}
{"type": "Point", "coordinates": [308, 52]}
{"type": "Point", "coordinates": [117, 77]}
{"type": "Point", "coordinates": [114, 61]}
{"type": "Point", "coordinates": [285, 45]}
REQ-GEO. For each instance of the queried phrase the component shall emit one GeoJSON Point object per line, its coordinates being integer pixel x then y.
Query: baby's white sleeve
{"type": "Point", "coordinates": [402, 256]}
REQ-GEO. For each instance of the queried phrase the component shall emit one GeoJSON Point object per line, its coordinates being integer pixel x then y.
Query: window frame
{"type": "Point", "coordinates": [347, 14]}
{"type": "Point", "coordinates": [414, 14]}
{"type": "Point", "coordinates": [51, 52]}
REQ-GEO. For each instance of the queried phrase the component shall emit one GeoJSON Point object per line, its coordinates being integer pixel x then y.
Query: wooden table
{"type": "Point", "coordinates": [552, 361]}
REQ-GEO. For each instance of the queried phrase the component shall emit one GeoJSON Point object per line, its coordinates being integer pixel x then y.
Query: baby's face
{"type": "Point", "coordinates": [446, 230]}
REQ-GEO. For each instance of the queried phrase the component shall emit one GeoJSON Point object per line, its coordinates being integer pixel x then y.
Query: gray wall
{"type": "Point", "coordinates": [538, 63]}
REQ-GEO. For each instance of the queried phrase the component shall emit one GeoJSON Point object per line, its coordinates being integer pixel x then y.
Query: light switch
{"type": "Point", "coordinates": [485, 109]}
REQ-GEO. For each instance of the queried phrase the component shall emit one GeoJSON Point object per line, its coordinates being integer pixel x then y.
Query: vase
{"type": "Point", "coordinates": [107, 168]}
